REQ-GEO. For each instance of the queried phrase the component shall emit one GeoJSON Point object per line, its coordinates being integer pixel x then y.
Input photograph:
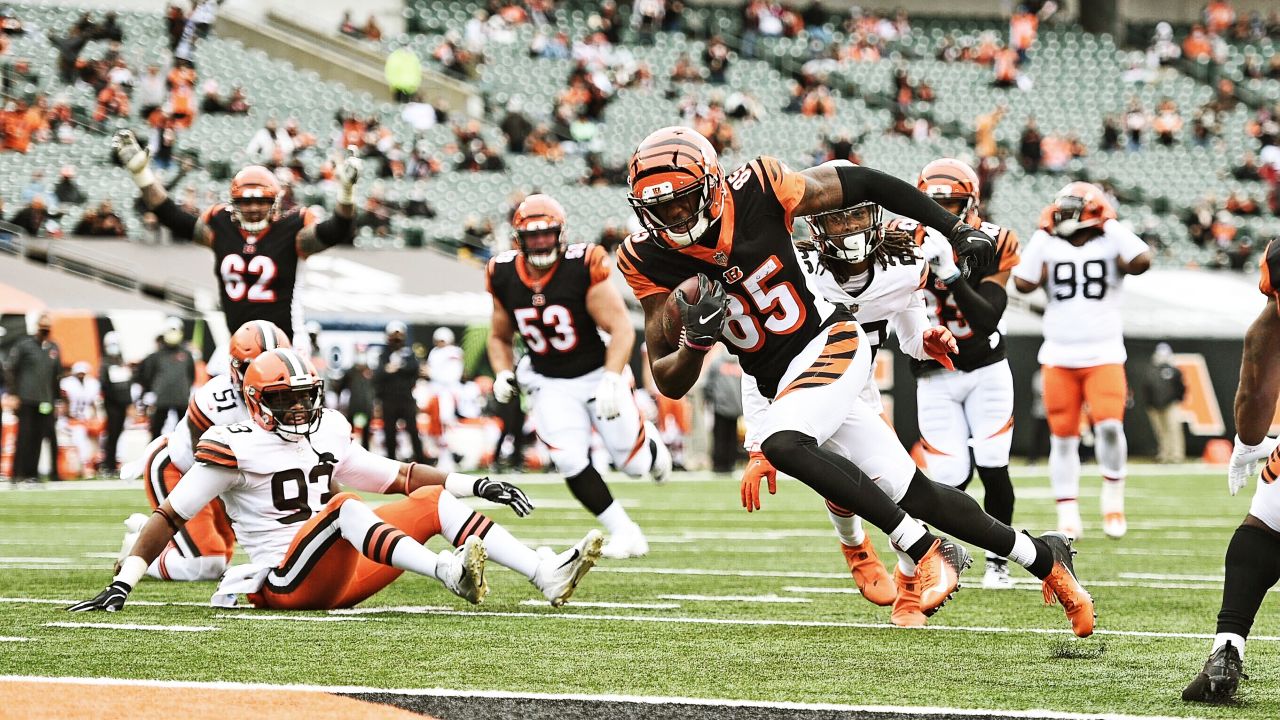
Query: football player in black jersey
{"type": "Point", "coordinates": [805, 354]}
{"type": "Point", "coordinates": [256, 248]}
{"type": "Point", "coordinates": [559, 297]}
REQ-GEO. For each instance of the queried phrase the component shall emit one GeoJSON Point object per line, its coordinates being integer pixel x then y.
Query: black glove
{"type": "Point", "coordinates": [111, 599]}
{"type": "Point", "coordinates": [975, 248]}
{"type": "Point", "coordinates": [504, 493]}
{"type": "Point", "coordinates": [704, 319]}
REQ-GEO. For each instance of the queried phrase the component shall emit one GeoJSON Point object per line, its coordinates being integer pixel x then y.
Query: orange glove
{"type": "Point", "coordinates": [938, 342]}
{"type": "Point", "coordinates": [758, 466]}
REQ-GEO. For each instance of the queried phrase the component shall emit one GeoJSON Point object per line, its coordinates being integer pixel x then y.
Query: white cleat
{"type": "Point", "coordinates": [558, 576]}
{"type": "Point", "coordinates": [132, 529]}
{"type": "Point", "coordinates": [1113, 520]}
{"type": "Point", "coordinates": [462, 571]}
{"type": "Point", "coordinates": [629, 543]}
{"type": "Point", "coordinates": [1069, 521]}
{"type": "Point", "coordinates": [997, 575]}
{"type": "Point", "coordinates": [660, 471]}
{"type": "Point", "coordinates": [1115, 525]}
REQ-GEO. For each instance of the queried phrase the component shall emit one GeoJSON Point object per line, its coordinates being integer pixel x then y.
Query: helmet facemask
{"type": "Point", "coordinates": [291, 412]}
{"type": "Point", "coordinates": [680, 217]}
{"type": "Point", "coordinates": [849, 234]}
{"type": "Point", "coordinates": [254, 203]}
{"type": "Point", "coordinates": [1067, 212]}
{"type": "Point", "coordinates": [539, 241]}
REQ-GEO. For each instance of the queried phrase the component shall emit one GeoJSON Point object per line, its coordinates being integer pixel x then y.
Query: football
{"type": "Point", "coordinates": [672, 323]}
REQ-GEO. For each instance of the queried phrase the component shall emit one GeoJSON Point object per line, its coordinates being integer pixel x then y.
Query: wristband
{"type": "Point", "coordinates": [460, 485]}
{"type": "Point", "coordinates": [144, 178]}
{"type": "Point", "coordinates": [131, 571]}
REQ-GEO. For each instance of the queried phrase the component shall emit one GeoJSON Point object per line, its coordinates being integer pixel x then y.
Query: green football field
{"type": "Point", "coordinates": [727, 606]}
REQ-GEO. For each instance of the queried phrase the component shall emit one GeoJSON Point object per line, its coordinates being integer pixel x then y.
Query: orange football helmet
{"type": "Point", "coordinates": [948, 179]}
{"type": "Point", "coordinates": [677, 185]}
{"type": "Point", "coordinates": [251, 340]}
{"type": "Point", "coordinates": [284, 394]}
{"type": "Point", "coordinates": [251, 188]}
{"type": "Point", "coordinates": [1078, 206]}
{"type": "Point", "coordinates": [539, 229]}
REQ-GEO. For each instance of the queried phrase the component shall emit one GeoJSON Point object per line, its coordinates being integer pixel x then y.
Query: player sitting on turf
{"type": "Point", "coordinates": [314, 548]}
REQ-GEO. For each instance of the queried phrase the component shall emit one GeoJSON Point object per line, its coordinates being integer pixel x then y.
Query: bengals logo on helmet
{"type": "Point", "coordinates": [1078, 206]}
{"type": "Point", "coordinates": [284, 394]}
{"type": "Point", "coordinates": [677, 185]}
{"type": "Point", "coordinates": [251, 340]}
{"type": "Point", "coordinates": [948, 179]}
{"type": "Point", "coordinates": [538, 225]}
{"type": "Point", "coordinates": [251, 188]}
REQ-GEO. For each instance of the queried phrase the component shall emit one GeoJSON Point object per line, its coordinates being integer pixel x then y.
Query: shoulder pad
{"type": "Point", "coordinates": [215, 446]}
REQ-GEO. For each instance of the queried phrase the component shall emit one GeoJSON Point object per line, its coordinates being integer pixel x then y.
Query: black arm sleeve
{"type": "Point", "coordinates": [983, 306]}
{"type": "Point", "coordinates": [336, 230]}
{"type": "Point", "coordinates": [181, 222]}
{"type": "Point", "coordinates": [861, 184]}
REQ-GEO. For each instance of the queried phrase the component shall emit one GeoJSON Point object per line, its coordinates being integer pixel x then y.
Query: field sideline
{"type": "Point", "coordinates": [753, 614]}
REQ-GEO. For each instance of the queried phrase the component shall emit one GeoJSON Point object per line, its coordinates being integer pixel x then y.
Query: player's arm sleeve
{"type": "Point", "coordinates": [909, 325]}
{"type": "Point", "coordinates": [179, 221]}
{"type": "Point", "coordinates": [1128, 244]}
{"type": "Point", "coordinates": [200, 486]}
{"type": "Point", "coordinates": [363, 470]}
{"type": "Point", "coordinates": [787, 186]}
{"type": "Point", "coordinates": [598, 266]}
{"type": "Point", "coordinates": [630, 263]}
{"type": "Point", "coordinates": [754, 406]}
{"type": "Point", "coordinates": [1030, 266]}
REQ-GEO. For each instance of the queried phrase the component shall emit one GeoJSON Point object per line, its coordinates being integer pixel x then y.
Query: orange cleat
{"type": "Point", "coordinates": [868, 572]}
{"type": "Point", "coordinates": [906, 608]}
{"type": "Point", "coordinates": [938, 574]}
{"type": "Point", "coordinates": [1062, 586]}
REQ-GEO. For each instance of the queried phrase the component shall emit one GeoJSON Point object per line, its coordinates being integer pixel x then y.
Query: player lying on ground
{"type": "Point", "coordinates": [314, 548]}
{"type": "Point", "coordinates": [806, 354]}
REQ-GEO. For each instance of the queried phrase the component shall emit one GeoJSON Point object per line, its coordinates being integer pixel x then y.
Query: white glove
{"type": "Point", "coordinates": [504, 386]}
{"type": "Point", "coordinates": [609, 395]}
{"type": "Point", "coordinates": [1245, 460]}
{"type": "Point", "coordinates": [348, 174]}
{"type": "Point", "coordinates": [133, 157]}
{"type": "Point", "coordinates": [937, 250]}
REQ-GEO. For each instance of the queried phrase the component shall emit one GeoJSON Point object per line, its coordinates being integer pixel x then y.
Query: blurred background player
{"type": "Point", "coordinates": [445, 368]}
{"type": "Point", "coordinates": [35, 363]}
{"type": "Point", "coordinates": [394, 376]}
{"type": "Point", "coordinates": [559, 298]}
{"type": "Point", "coordinates": [971, 405]}
{"type": "Point", "coordinates": [82, 394]}
{"type": "Point", "coordinates": [1080, 255]}
{"type": "Point", "coordinates": [116, 378]}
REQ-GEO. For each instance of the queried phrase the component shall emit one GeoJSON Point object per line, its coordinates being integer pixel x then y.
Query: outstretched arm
{"type": "Point", "coordinates": [831, 188]}
{"type": "Point", "coordinates": [138, 162]}
{"type": "Point", "coordinates": [340, 229]}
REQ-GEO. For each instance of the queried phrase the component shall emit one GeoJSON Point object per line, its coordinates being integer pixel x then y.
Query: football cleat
{"type": "Point", "coordinates": [906, 606]}
{"type": "Point", "coordinates": [868, 572]}
{"type": "Point", "coordinates": [1218, 681]}
{"type": "Point", "coordinates": [997, 575]}
{"type": "Point", "coordinates": [1069, 521]}
{"type": "Point", "coordinates": [660, 470]}
{"type": "Point", "coordinates": [629, 543]}
{"type": "Point", "coordinates": [1114, 525]}
{"type": "Point", "coordinates": [938, 574]}
{"type": "Point", "coordinates": [558, 576]}
{"type": "Point", "coordinates": [1062, 585]}
{"type": "Point", "coordinates": [462, 571]}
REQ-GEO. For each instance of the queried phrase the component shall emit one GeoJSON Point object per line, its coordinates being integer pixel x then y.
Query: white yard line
{"type": "Point", "coordinates": [49, 601]}
{"type": "Point", "coordinates": [389, 609]}
{"type": "Point", "coordinates": [13, 639]}
{"type": "Point", "coordinates": [290, 618]}
{"type": "Point", "coordinates": [10, 559]}
{"type": "Point", "coordinates": [132, 626]}
{"type": "Point", "coordinates": [633, 699]}
{"type": "Point", "coordinates": [735, 598]}
{"type": "Point", "coordinates": [608, 605]}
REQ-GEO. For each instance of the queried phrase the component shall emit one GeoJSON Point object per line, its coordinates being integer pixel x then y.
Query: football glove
{"type": "Point", "coordinates": [1245, 460]}
{"type": "Point", "coordinates": [758, 466]}
{"type": "Point", "coordinates": [973, 247]}
{"type": "Point", "coordinates": [938, 344]}
{"type": "Point", "coordinates": [609, 396]}
{"type": "Point", "coordinates": [504, 493]}
{"type": "Point", "coordinates": [110, 600]}
{"type": "Point", "coordinates": [348, 174]}
{"type": "Point", "coordinates": [703, 319]}
{"type": "Point", "coordinates": [505, 387]}
{"type": "Point", "coordinates": [132, 157]}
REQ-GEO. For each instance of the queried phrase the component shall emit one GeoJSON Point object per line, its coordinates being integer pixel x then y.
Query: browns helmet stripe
{"type": "Point", "coordinates": [291, 361]}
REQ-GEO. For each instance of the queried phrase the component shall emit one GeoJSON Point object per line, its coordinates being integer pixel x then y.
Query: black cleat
{"type": "Point", "coordinates": [1218, 681]}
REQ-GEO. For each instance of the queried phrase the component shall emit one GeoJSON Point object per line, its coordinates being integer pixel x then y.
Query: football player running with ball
{"type": "Point", "coordinates": [1080, 255]}
{"type": "Point", "coordinates": [806, 355]}
{"type": "Point", "coordinates": [559, 298]}
{"type": "Point", "coordinates": [312, 547]}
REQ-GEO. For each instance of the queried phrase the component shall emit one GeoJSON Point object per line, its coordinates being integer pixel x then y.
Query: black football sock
{"type": "Point", "coordinates": [955, 513]}
{"type": "Point", "coordinates": [589, 488]}
{"type": "Point", "coordinates": [1253, 566]}
{"type": "Point", "coordinates": [997, 493]}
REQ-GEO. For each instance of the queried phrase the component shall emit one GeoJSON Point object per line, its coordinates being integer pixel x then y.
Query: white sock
{"type": "Point", "coordinates": [1112, 495]}
{"type": "Point", "coordinates": [906, 565]}
{"type": "Point", "coordinates": [171, 565]}
{"type": "Point", "coordinates": [615, 519]}
{"type": "Point", "coordinates": [1064, 467]}
{"type": "Point", "coordinates": [907, 533]}
{"type": "Point", "coordinates": [1113, 449]}
{"type": "Point", "coordinates": [502, 547]}
{"type": "Point", "coordinates": [1024, 550]}
{"type": "Point", "coordinates": [848, 529]}
{"type": "Point", "coordinates": [383, 542]}
{"type": "Point", "coordinates": [1223, 638]}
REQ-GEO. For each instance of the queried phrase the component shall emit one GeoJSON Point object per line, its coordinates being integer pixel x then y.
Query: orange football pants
{"type": "Point", "coordinates": [1102, 387]}
{"type": "Point", "coordinates": [339, 576]}
{"type": "Point", "coordinates": [208, 533]}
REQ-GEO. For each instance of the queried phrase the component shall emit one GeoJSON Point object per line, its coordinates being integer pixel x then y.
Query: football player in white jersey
{"type": "Point", "coordinates": [83, 393]}
{"type": "Point", "coordinates": [445, 368]}
{"type": "Point", "coordinates": [877, 274]}
{"type": "Point", "coordinates": [314, 548]}
{"type": "Point", "coordinates": [1080, 255]}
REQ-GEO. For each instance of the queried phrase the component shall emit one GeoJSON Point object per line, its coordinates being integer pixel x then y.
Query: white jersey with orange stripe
{"type": "Point", "coordinates": [271, 486]}
{"type": "Point", "coordinates": [217, 402]}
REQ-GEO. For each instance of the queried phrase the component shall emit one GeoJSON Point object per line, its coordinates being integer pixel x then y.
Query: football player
{"type": "Point", "coordinates": [559, 298]}
{"type": "Point", "coordinates": [1080, 255]}
{"type": "Point", "coordinates": [972, 404]}
{"type": "Point", "coordinates": [804, 353]}
{"type": "Point", "coordinates": [1253, 555]}
{"type": "Point", "coordinates": [82, 394]}
{"type": "Point", "coordinates": [314, 548]}
{"type": "Point", "coordinates": [256, 248]}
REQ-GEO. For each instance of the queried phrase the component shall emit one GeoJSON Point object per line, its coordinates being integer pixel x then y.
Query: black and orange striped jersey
{"type": "Point", "coordinates": [550, 313]}
{"type": "Point", "coordinates": [257, 273]}
{"type": "Point", "coordinates": [775, 310]}
{"type": "Point", "coordinates": [974, 351]}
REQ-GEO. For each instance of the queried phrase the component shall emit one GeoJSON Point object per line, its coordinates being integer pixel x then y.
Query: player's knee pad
{"type": "Point", "coordinates": [1064, 447]}
{"type": "Point", "coordinates": [950, 470]}
{"type": "Point", "coordinates": [786, 450]}
{"type": "Point", "coordinates": [1112, 449]}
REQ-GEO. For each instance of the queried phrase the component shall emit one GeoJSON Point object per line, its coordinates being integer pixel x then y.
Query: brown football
{"type": "Point", "coordinates": [672, 323]}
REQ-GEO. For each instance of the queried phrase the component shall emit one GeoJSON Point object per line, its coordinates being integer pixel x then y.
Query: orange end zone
{"type": "Point", "coordinates": [41, 701]}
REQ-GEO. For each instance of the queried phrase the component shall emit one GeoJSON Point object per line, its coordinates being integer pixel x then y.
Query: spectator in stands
{"type": "Point", "coordinates": [1197, 45]}
{"type": "Point", "coordinates": [1251, 68]}
{"type": "Point", "coordinates": [549, 46]}
{"type": "Point", "coordinates": [66, 189]}
{"type": "Point", "coordinates": [516, 126]}
{"type": "Point", "coordinates": [1240, 204]}
{"type": "Point", "coordinates": [1163, 50]}
{"type": "Point", "coordinates": [372, 31]}
{"type": "Point", "coordinates": [1167, 123]}
{"type": "Point", "coordinates": [455, 59]}
{"type": "Point", "coordinates": [611, 236]}
{"type": "Point", "coordinates": [716, 58]}
{"type": "Point", "coordinates": [110, 29]}
{"type": "Point", "coordinates": [817, 102]}
{"type": "Point", "coordinates": [34, 219]}
{"type": "Point", "coordinates": [237, 103]}
{"type": "Point", "coordinates": [985, 132]}
{"type": "Point", "coordinates": [420, 115]}
{"type": "Point", "coordinates": [742, 105]}
{"type": "Point", "coordinates": [542, 143]}
{"type": "Point", "coordinates": [203, 16]}
{"type": "Point", "coordinates": [101, 221]}
{"type": "Point", "coordinates": [348, 27]}
{"type": "Point", "coordinates": [151, 91]}
{"type": "Point", "coordinates": [684, 70]}
{"type": "Point", "coordinates": [1006, 68]}
{"type": "Point", "coordinates": [113, 101]}
{"type": "Point", "coordinates": [646, 18]}
{"type": "Point", "coordinates": [10, 24]}
{"type": "Point", "coordinates": [24, 124]}
{"type": "Point", "coordinates": [69, 48]}
{"type": "Point", "coordinates": [1135, 124]}
{"type": "Point", "coordinates": [270, 145]}
{"type": "Point", "coordinates": [376, 215]}
{"type": "Point", "coordinates": [1219, 16]}
{"type": "Point", "coordinates": [211, 101]}
{"type": "Point", "coordinates": [34, 364]}
{"type": "Point", "coordinates": [175, 23]}
{"type": "Point", "coordinates": [477, 236]}
{"type": "Point", "coordinates": [1023, 26]}
{"type": "Point", "coordinates": [416, 204]}
{"type": "Point", "coordinates": [162, 141]}
{"type": "Point", "coordinates": [1030, 152]}
{"type": "Point", "coordinates": [167, 374]}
